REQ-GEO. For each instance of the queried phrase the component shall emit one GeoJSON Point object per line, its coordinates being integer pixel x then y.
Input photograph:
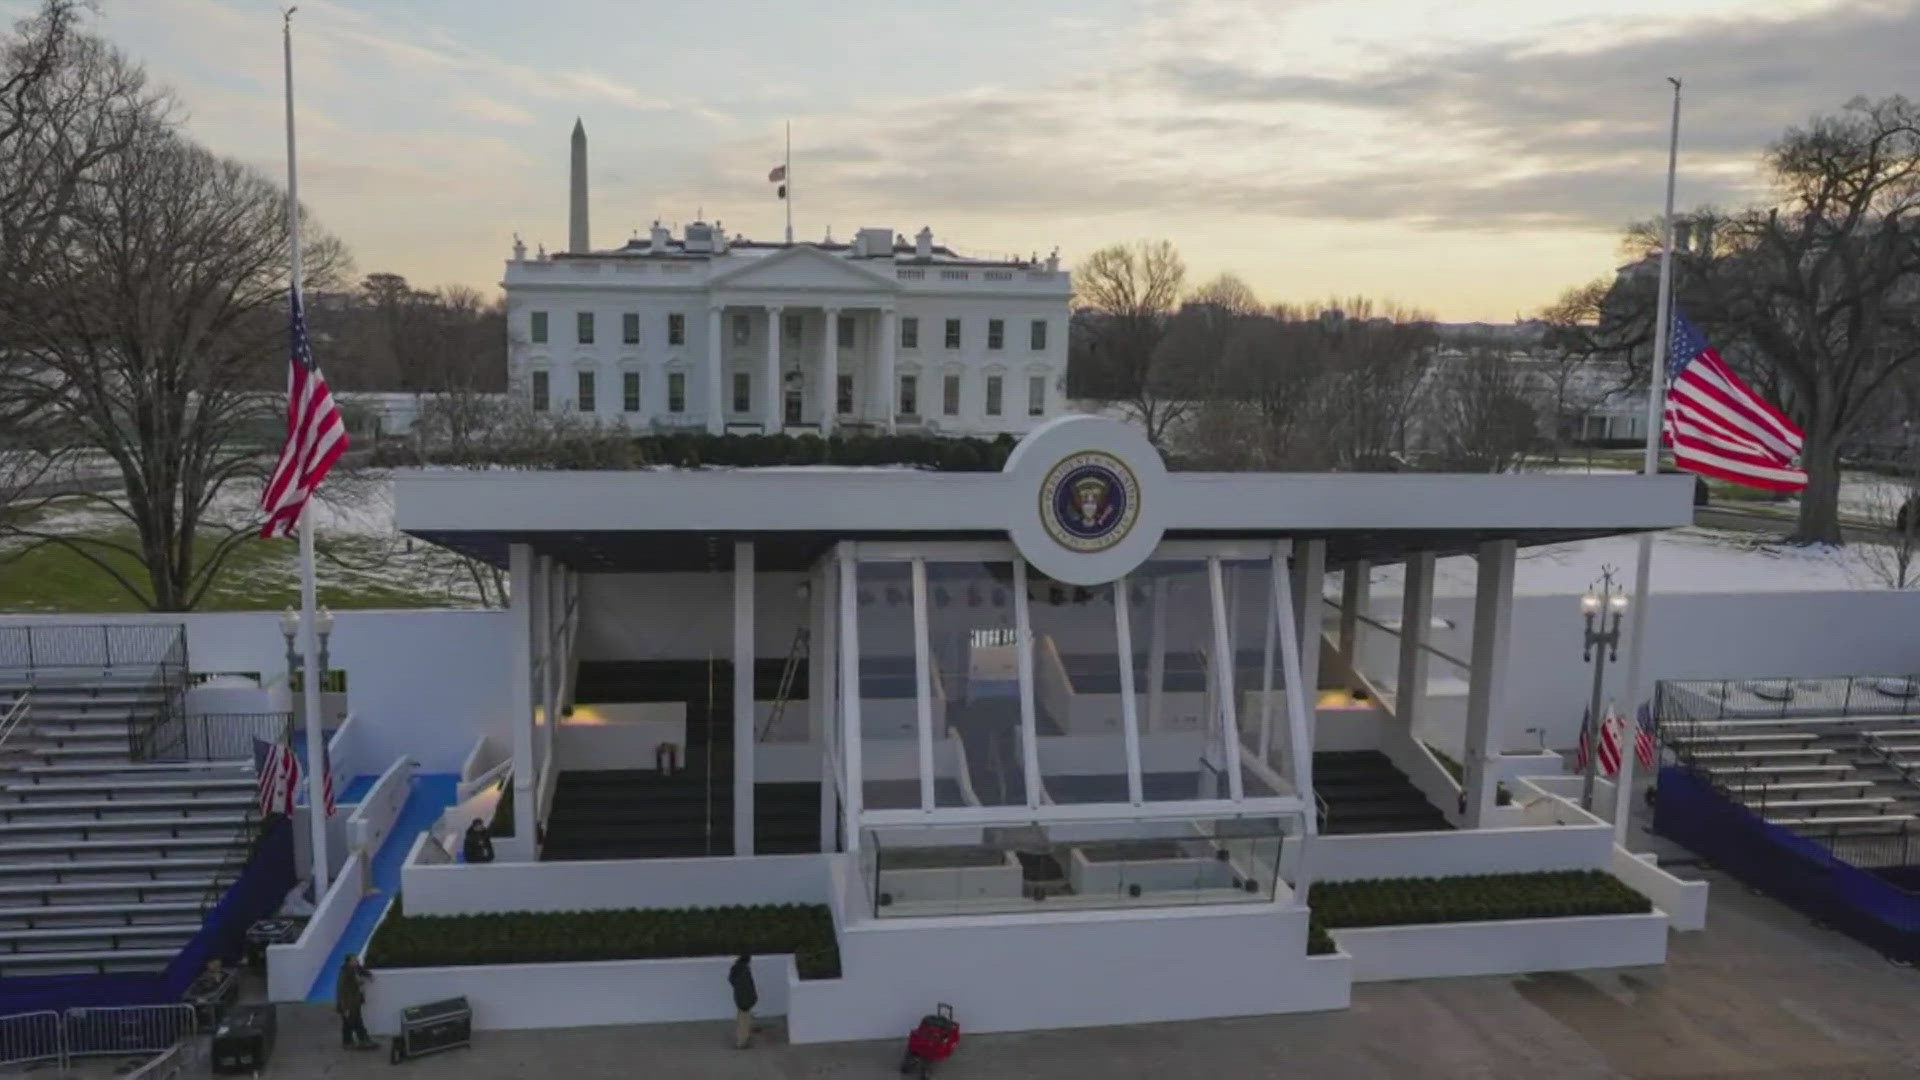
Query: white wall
{"type": "Point", "coordinates": [1685, 902]}
{"type": "Point", "coordinates": [1504, 947]}
{"type": "Point", "coordinates": [368, 826]}
{"type": "Point", "coordinates": [425, 683]}
{"type": "Point", "coordinates": [1467, 851]}
{"type": "Point", "coordinates": [292, 967]}
{"type": "Point", "coordinates": [465, 889]}
{"type": "Point", "coordinates": [578, 995]}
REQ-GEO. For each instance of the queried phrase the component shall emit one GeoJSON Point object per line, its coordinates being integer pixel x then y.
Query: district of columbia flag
{"type": "Point", "coordinates": [1610, 743]}
{"type": "Point", "coordinates": [1717, 426]}
{"type": "Point", "coordinates": [316, 435]}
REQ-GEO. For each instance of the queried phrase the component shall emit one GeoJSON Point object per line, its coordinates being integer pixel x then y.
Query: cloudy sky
{"type": "Point", "coordinates": [1470, 157]}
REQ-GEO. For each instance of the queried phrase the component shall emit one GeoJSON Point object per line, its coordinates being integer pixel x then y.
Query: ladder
{"type": "Point", "coordinates": [788, 674]}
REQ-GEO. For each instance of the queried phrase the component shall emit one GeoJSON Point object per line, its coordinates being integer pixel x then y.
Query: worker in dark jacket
{"type": "Point", "coordinates": [348, 997]}
{"type": "Point", "coordinates": [745, 997]}
{"type": "Point", "coordinates": [479, 843]}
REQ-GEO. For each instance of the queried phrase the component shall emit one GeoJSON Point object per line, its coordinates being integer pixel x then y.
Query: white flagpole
{"type": "Point", "coordinates": [309, 643]}
{"type": "Point", "coordinates": [1656, 410]}
{"type": "Point", "coordinates": [786, 176]}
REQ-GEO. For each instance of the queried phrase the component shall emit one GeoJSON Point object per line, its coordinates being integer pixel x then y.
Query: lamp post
{"type": "Point", "coordinates": [290, 630]}
{"type": "Point", "coordinates": [1602, 607]}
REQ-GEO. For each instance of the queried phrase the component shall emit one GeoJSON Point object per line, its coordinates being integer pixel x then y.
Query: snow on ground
{"type": "Point", "coordinates": [1686, 560]}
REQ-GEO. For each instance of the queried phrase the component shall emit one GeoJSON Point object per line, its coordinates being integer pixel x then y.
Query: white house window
{"type": "Point", "coordinates": [950, 396]}
{"type": "Point", "coordinates": [742, 329]}
{"type": "Point", "coordinates": [993, 395]}
{"type": "Point", "coordinates": [676, 329]}
{"type": "Point", "coordinates": [583, 385]}
{"type": "Point", "coordinates": [676, 391]}
{"type": "Point", "coordinates": [537, 328]}
{"type": "Point", "coordinates": [843, 395]}
{"type": "Point", "coordinates": [1037, 395]}
{"type": "Point", "coordinates": [1037, 335]}
{"type": "Point", "coordinates": [630, 391]}
{"type": "Point", "coordinates": [909, 395]}
{"type": "Point", "coordinates": [953, 333]}
{"type": "Point", "coordinates": [742, 391]}
{"type": "Point", "coordinates": [996, 333]}
{"type": "Point", "coordinates": [630, 328]}
{"type": "Point", "coordinates": [583, 327]}
{"type": "Point", "coordinates": [540, 391]}
{"type": "Point", "coordinates": [909, 333]}
{"type": "Point", "coordinates": [846, 331]}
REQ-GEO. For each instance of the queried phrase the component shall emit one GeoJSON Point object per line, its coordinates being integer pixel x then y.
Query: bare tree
{"type": "Point", "coordinates": [161, 325]}
{"type": "Point", "coordinates": [1484, 421]}
{"type": "Point", "coordinates": [1569, 357]}
{"type": "Point", "coordinates": [1132, 291]}
{"type": "Point", "coordinates": [1891, 555]}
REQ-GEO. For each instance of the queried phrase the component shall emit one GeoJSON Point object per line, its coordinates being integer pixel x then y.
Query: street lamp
{"type": "Point", "coordinates": [323, 625]}
{"type": "Point", "coordinates": [290, 629]}
{"type": "Point", "coordinates": [1602, 607]}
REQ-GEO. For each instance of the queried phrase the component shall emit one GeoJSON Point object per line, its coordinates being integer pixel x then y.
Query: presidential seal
{"type": "Point", "coordinates": [1089, 501]}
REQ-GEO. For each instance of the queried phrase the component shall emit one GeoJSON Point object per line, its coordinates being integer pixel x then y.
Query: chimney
{"type": "Point", "coordinates": [872, 243]}
{"type": "Point", "coordinates": [577, 192]}
{"type": "Point", "coordinates": [658, 237]}
{"type": "Point", "coordinates": [923, 243]}
{"type": "Point", "coordinates": [1682, 236]}
{"type": "Point", "coordinates": [519, 248]}
{"type": "Point", "coordinates": [1703, 238]}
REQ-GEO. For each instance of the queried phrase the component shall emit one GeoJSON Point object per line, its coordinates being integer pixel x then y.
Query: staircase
{"type": "Point", "coordinates": [640, 814]}
{"type": "Point", "coordinates": [1365, 793]}
{"type": "Point", "coordinates": [108, 864]}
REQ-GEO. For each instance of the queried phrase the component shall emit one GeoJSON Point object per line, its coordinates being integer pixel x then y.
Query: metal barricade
{"type": "Point", "coordinates": [129, 1029]}
{"type": "Point", "coordinates": [30, 1038]}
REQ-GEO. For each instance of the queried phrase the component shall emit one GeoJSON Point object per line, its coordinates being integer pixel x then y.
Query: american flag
{"type": "Point", "coordinates": [1717, 426]}
{"type": "Point", "coordinates": [279, 778]}
{"type": "Point", "coordinates": [316, 437]}
{"type": "Point", "coordinates": [1645, 746]}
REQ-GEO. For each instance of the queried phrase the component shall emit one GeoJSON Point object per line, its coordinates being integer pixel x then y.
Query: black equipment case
{"type": "Point", "coordinates": [431, 1028]}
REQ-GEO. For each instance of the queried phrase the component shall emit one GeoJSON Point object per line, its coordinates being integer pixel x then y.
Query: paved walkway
{"type": "Point", "coordinates": [1760, 994]}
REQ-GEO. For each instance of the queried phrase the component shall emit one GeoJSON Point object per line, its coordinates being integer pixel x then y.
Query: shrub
{"type": "Point", "coordinates": [1319, 942]}
{"type": "Point", "coordinates": [1480, 898]}
{"type": "Point", "coordinates": [805, 930]}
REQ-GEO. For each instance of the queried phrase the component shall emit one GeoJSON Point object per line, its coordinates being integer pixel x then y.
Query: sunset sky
{"type": "Point", "coordinates": [1468, 157]}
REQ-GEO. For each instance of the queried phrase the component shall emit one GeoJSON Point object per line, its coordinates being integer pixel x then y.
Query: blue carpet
{"type": "Point", "coordinates": [431, 795]}
{"type": "Point", "coordinates": [356, 789]}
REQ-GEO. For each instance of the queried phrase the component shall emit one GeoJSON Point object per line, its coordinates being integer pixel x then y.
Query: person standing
{"type": "Point", "coordinates": [745, 997]}
{"type": "Point", "coordinates": [349, 995]}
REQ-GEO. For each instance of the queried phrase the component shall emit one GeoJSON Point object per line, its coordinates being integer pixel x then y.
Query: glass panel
{"type": "Point", "coordinates": [1259, 676]}
{"type": "Point", "coordinates": [956, 870]}
{"type": "Point", "coordinates": [976, 685]}
{"type": "Point", "coordinates": [1076, 675]}
{"type": "Point", "coordinates": [889, 725]}
{"type": "Point", "coordinates": [1180, 755]}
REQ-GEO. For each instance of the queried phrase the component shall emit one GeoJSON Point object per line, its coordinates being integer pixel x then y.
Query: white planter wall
{"type": "Point", "coordinates": [510, 997]}
{"type": "Point", "coordinates": [292, 967]}
{"type": "Point", "coordinates": [1685, 902]}
{"type": "Point", "coordinates": [1504, 947]}
{"type": "Point", "coordinates": [369, 824]}
{"type": "Point", "coordinates": [1466, 851]}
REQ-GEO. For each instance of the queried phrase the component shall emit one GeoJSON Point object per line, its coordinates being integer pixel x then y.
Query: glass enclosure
{"type": "Point", "coordinates": [1127, 721]}
{"type": "Point", "coordinates": [1077, 866]}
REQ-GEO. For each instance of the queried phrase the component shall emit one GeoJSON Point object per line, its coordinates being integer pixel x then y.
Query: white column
{"type": "Point", "coordinates": [923, 679]}
{"type": "Point", "coordinates": [770, 392]}
{"type": "Point", "coordinates": [1129, 707]}
{"type": "Point", "coordinates": [889, 393]}
{"type": "Point", "coordinates": [1023, 634]}
{"type": "Point", "coordinates": [1223, 671]}
{"type": "Point", "coordinates": [1492, 625]}
{"type": "Point", "coordinates": [716, 372]}
{"type": "Point", "coordinates": [540, 616]}
{"type": "Point", "coordinates": [1416, 615]}
{"type": "Point", "coordinates": [743, 744]}
{"type": "Point", "coordinates": [829, 393]}
{"type": "Point", "coordinates": [848, 646]}
{"type": "Point", "coordinates": [520, 694]}
{"type": "Point", "coordinates": [1157, 658]}
{"type": "Point", "coordinates": [820, 693]}
{"type": "Point", "coordinates": [1356, 588]}
{"type": "Point", "coordinates": [559, 656]}
{"type": "Point", "coordinates": [1309, 589]}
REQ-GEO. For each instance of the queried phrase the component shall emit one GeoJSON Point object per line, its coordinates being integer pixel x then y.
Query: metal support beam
{"type": "Point", "coordinates": [743, 728]}
{"type": "Point", "coordinates": [1492, 624]}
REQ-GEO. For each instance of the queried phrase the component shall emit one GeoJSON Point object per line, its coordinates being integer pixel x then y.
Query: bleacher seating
{"type": "Point", "coordinates": [1821, 776]}
{"type": "Point", "coordinates": [107, 864]}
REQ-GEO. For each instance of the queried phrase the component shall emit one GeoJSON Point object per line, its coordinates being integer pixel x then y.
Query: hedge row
{"type": "Point", "coordinates": [805, 930]}
{"type": "Point", "coordinates": [1343, 905]}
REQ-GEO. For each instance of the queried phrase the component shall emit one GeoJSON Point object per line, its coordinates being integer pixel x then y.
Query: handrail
{"type": "Point", "coordinates": [239, 853]}
{"type": "Point", "coordinates": [16, 716]}
{"type": "Point", "coordinates": [967, 794]}
{"type": "Point", "coordinates": [1425, 646]}
{"type": "Point", "coordinates": [470, 788]}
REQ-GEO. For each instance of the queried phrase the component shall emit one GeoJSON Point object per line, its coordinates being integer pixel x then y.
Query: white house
{"type": "Point", "coordinates": [710, 330]}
